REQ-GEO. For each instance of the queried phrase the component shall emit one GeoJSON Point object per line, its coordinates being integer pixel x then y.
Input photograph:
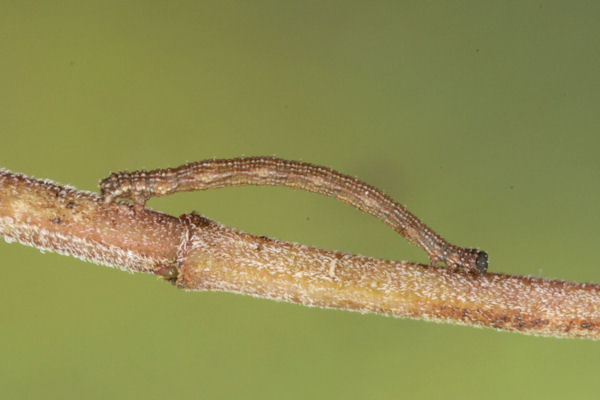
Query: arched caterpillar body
{"type": "Point", "coordinates": [139, 186]}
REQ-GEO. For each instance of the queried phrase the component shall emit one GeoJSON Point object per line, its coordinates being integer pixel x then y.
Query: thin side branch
{"type": "Point", "coordinates": [198, 254]}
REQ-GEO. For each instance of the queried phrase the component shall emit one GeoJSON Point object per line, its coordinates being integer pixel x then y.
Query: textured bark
{"type": "Point", "coordinates": [199, 254]}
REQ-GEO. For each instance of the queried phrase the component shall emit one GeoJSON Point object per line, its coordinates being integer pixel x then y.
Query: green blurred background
{"type": "Point", "coordinates": [482, 117]}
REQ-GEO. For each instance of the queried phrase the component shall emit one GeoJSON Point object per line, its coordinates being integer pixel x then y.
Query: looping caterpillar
{"type": "Point", "coordinates": [139, 186]}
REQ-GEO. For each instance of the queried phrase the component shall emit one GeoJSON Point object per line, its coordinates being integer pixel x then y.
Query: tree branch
{"type": "Point", "coordinates": [199, 254]}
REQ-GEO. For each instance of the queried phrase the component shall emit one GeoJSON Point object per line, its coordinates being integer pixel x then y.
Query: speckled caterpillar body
{"type": "Point", "coordinates": [139, 186]}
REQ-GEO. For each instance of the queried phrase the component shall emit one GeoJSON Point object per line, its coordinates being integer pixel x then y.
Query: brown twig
{"type": "Point", "coordinates": [198, 254]}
